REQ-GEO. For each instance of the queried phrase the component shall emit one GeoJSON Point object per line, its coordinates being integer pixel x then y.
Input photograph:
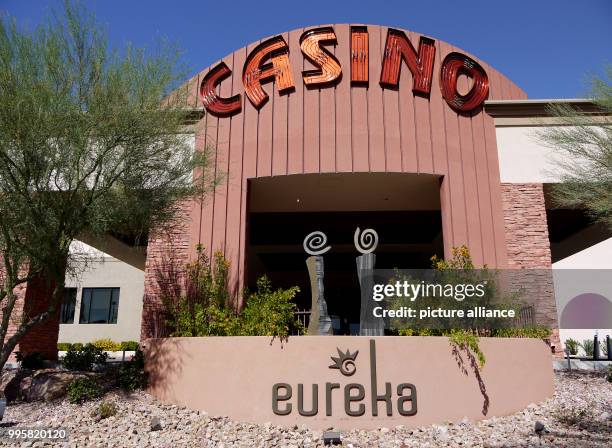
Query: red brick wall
{"type": "Point", "coordinates": [43, 337]}
{"type": "Point", "coordinates": [167, 252]}
{"type": "Point", "coordinates": [528, 244]}
{"type": "Point", "coordinates": [32, 298]}
{"type": "Point", "coordinates": [20, 292]}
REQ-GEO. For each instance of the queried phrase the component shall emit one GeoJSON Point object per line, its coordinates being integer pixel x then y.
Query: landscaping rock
{"type": "Point", "coordinates": [156, 424]}
{"type": "Point", "coordinates": [580, 401]}
{"type": "Point", "coordinates": [539, 427]}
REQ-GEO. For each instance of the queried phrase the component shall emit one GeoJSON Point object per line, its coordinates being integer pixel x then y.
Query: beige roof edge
{"type": "Point", "coordinates": [537, 107]}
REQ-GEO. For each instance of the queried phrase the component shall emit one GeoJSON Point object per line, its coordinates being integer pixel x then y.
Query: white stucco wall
{"type": "Point", "coordinates": [598, 256]}
{"type": "Point", "coordinates": [102, 270]}
{"type": "Point", "coordinates": [522, 158]}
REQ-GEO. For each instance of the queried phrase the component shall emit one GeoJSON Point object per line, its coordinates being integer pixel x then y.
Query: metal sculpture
{"type": "Point", "coordinates": [456, 64]}
{"type": "Point", "coordinates": [256, 70]}
{"type": "Point", "coordinates": [217, 106]}
{"type": "Point", "coordinates": [398, 48]}
{"type": "Point", "coordinates": [359, 55]}
{"type": "Point", "coordinates": [329, 69]}
{"type": "Point", "coordinates": [315, 245]}
{"type": "Point", "coordinates": [366, 243]}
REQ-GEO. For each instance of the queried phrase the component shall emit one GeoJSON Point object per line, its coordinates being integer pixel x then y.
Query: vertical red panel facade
{"type": "Point", "coordinates": [353, 127]}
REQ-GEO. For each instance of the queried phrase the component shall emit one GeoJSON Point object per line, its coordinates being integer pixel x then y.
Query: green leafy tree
{"type": "Point", "coordinates": [91, 141]}
{"type": "Point", "coordinates": [583, 143]}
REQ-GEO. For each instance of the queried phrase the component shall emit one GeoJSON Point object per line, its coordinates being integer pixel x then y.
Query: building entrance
{"type": "Point", "coordinates": [404, 209]}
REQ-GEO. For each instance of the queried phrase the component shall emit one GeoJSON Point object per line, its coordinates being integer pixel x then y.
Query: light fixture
{"type": "Point", "coordinates": [331, 438]}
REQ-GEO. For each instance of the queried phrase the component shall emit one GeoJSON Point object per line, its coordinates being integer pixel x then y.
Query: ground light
{"type": "Point", "coordinates": [331, 438]}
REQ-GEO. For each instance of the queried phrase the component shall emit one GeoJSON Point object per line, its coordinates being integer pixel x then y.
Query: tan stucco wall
{"type": "Point", "coordinates": [106, 271]}
{"type": "Point", "coordinates": [234, 376]}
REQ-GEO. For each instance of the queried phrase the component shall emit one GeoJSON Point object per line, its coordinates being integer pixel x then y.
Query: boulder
{"type": "Point", "coordinates": [48, 385]}
{"type": "Point", "coordinates": [39, 385]}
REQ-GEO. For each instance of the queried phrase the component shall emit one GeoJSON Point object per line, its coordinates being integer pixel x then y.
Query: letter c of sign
{"type": "Point", "coordinates": [217, 106]}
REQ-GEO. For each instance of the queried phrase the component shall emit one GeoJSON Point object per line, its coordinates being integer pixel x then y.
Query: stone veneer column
{"type": "Point", "coordinates": [167, 253]}
{"type": "Point", "coordinates": [527, 241]}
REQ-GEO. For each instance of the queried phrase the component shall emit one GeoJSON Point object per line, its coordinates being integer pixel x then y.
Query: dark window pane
{"type": "Point", "coordinates": [114, 308]}
{"type": "Point", "coordinates": [85, 300]}
{"type": "Point", "coordinates": [68, 306]}
{"type": "Point", "coordinates": [100, 305]}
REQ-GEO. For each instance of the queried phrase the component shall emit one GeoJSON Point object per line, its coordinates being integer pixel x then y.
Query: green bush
{"type": "Point", "coordinates": [131, 375]}
{"type": "Point", "coordinates": [83, 359]}
{"type": "Point", "coordinates": [528, 332]}
{"type": "Point", "coordinates": [104, 410]}
{"type": "Point", "coordinates": [206, 308]}
{"type": "Point", "coordinates": [572, 345]}
{"type": "Point", "coordinates": [129, 346]}
{"type": "Point", "coordinates": [32, 361]}
{"type": "Point", "coordinates": [270, 312]}
{"type": "Point", "coordinates": [107, 345]}
{"type": "Point", "coordinates": [83, 389]}
{"type": "Point", "coordinates": [78, 345]}
{"type": "Point", "coordinates": [588, 347]}
{"type": "Point", "coordinates": [609, 376]}
{"type": "Point", "coordinates": [63, 346]}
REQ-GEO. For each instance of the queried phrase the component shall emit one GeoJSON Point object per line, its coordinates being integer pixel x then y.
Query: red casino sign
{"type": "Point", "coordinates": [269, 61]}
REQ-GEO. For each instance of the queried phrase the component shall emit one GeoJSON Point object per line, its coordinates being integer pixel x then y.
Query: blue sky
{"type": "Point", "coordinates": [548, 47]}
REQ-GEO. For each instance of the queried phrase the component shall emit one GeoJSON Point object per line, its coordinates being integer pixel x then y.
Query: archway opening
{"type": "Point", "coordinates": [404, 209]}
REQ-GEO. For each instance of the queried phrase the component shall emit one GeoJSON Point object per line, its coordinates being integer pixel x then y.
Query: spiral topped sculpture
{"type": "Point", "coordinates": [366, 241]}
{"type": "Point", "coordinates": [315, 243]}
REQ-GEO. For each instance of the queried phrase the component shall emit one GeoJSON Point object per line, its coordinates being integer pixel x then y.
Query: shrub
{"type": "Point", "coordinates": [107, 345]}
{"type": "Point", "coordinates": [32, 361]}
{"type": "Point", "coordinates": [78, 345]}
{"type": "Point", "coordinates": [270, 312]}
{"type": "Point", "coordinates": [104, 410]}
{"type": "Point", "coordinates": [83, 389]}
{"type": "Point", "coordinates": [83, 359]}
{"type": "Point", "coordinates": [572, 345]}
{"type": "Point", "coordinates": [528, 332]}
{"type": "Point", "coordinates": [63, 346]}
{"type": "Point", "coordinates": [609, 376]}
{"type": "Point", "coordinates": [588, 346]}
{"type": "Point", "coordinates": [129, 346]}
{"type": "Point", "coordinates": [206, 310]}
{"type": "Point", "coordinates": [604, 348]}
{"type": "Point", "coordinates": [131, 375]}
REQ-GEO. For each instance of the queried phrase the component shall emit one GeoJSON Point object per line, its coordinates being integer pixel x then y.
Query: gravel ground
{"type": "Point", "coordinates": [579, 415]}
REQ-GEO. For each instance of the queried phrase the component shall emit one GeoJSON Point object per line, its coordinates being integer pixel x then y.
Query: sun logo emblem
{"type": "Point", "coordinates": [345, 362]}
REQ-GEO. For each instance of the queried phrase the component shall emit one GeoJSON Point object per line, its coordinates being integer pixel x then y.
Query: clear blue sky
{"type": "Point", "coordinates": [548, 47]}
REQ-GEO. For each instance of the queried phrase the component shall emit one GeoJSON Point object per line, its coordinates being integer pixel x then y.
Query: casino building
{"type": "Point", "coordinates": [336, 127]}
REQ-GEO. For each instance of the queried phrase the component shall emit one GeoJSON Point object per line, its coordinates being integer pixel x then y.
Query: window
{"type": "Point", "coordinates": [99, 306]}
{"type": "Point", "coordinates": [68, 305]}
